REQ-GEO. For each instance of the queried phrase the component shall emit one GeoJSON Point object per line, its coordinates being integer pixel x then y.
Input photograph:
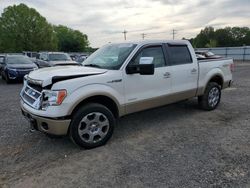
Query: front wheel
{"type": "Point", "coordinates": [92, 126]}
{"type": "Point", "coordinates": [7, 79]}
{"type": "Point", "coordinates": [211, 98]}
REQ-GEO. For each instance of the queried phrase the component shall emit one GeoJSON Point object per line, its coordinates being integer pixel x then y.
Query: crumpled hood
{"type": "Point", "coordinates": [51, 75]}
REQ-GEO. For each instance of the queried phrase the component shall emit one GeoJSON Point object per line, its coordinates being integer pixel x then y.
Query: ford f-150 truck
{"type": "Point", "coordinates": [118, 79]}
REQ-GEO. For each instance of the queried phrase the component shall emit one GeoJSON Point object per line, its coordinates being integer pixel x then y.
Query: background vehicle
{"type": "Point", "coordinates": [49, 59]}
{"type": "Point", "coordinates": [31, 55]}
{"type": "Point", "coordinates": [1, 61]}
{"type": "Point", "coordinates": [116, 80]}
{"type": "Point", "coordinates": [14, 67]}
{"type": "Point", "coordinates": [81, 58]}
{"type": "Point", "coordinates": [206, 55]}
{"type": "Point", "coordinates": [200, 57]}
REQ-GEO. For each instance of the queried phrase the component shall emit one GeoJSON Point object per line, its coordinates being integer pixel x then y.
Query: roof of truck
{"type": "Point", "coordinates": [142, 42]}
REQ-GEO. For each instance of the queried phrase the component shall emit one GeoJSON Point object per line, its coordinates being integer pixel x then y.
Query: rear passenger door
{"type": "Point", "coordinates": [183, 72]}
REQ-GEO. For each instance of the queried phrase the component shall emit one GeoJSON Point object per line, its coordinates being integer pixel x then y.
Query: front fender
{"type": "Point", "coordinates": [91, 90]}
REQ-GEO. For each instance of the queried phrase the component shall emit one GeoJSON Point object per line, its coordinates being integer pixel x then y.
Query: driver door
{"type": "Point", "coordinates": [147, 91]}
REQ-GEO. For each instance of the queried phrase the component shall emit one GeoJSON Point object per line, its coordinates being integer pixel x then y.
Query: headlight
{"type": "Point", "coordinates": [52, 98]}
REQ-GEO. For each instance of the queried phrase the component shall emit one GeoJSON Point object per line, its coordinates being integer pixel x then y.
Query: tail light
{"type": "Point", "coordinates": [232, 67]}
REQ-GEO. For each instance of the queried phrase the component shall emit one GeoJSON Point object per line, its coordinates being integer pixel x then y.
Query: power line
{"type": "Point", "coordinates": [125, 34]}
{"type": "Point", "coordinates": [143, 35]}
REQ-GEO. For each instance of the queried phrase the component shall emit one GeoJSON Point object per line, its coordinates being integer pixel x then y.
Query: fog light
{"type": "Point", "coordinates": [45, 126]}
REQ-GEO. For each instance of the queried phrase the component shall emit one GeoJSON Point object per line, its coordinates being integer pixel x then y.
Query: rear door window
{"type": "Point", "coordinates": [179, 54]}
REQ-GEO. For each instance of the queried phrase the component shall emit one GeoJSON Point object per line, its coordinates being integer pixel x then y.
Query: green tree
{"type": "Point", "coordinates": [239, 35]}
{"type": "Point", "coordinates": [70, 40]}
{"type": "Point", "coordinates": [204, 37]}
{"type": "Point", "coordinates": [212, 43]}
{"type": "Point", "coordinates": [225, 37]}
{"type": "Point", "coordinates": [24, 29]}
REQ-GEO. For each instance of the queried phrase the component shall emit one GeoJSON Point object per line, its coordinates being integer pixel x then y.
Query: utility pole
{"type": "Point", "coordinates": [174, 33]}
{"type": "Point", "coordinates": [143, 35]}
{"type": "Point", "coordinates": [125, 34]}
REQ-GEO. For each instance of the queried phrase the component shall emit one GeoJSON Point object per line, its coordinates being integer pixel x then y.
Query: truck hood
{"type": "Point", "coordinates": [51, 75]}
{"type": "Point", "coordinates": [55, 63]}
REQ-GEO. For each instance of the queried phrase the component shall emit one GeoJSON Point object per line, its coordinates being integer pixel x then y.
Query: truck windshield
{"type": "Point", "coordinates": [111, 56]}
{"type": "Point", "coordinates": [18, 59]}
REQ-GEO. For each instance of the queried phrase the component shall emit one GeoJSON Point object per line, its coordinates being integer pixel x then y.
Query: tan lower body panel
{"type": "Point", "coordinates": [55, 127]}
{"type": "Point", "coordinates": [226, 84]}
{"type": "Point", "coordinates": [159, 101]}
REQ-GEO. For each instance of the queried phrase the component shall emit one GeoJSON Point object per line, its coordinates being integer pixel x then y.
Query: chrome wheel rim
{"type": "Point", "coordinates": [93, 127]}
{"type": "Point", "coordinates": [213, 97]}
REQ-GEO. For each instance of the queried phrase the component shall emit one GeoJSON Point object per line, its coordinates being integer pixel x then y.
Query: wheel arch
{"type": "Point", "coordinates": [107, 101]}
{"type": "Point", "coordinates": [218, 78]}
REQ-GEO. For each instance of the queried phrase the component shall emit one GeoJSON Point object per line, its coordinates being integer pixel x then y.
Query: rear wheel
{"type": "Point", "coordinates": [92, 126]}
{"type": "Point", "coordinates": [211, 98]}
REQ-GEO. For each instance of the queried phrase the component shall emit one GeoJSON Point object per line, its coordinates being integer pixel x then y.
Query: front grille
{"type": "Point", "coordinates": [31, 94]}
{"type": "Point", "coordinates": [35, 86]}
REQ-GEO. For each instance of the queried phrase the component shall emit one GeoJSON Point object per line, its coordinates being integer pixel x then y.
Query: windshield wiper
{"type": "Point", "coordinates": [92, 65]}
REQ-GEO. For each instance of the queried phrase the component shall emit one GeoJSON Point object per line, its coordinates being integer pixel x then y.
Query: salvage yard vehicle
{"type": "Point", "coordinates": [206, 55]}
{"type": "Point", "coordinates": [119, 79]}
{"type": "Point", "coordinates": [15, 67]}
{"type": "Point", "coordinates": [49, 59]}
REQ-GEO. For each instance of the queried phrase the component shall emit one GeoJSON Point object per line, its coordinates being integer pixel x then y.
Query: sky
{"type": "Point", "coordinates": [105, 20]}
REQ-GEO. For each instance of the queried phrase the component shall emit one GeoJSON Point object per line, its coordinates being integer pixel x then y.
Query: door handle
{"type": "Point", "coordinates": [193, 71]}
{"type": "Point", "coordinates": [166, 75]}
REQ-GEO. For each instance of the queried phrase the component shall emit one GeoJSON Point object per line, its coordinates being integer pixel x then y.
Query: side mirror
{"type": "Point", "coordinates": [143, 69]}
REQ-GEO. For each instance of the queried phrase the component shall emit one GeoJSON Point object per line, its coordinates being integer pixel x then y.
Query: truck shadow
{"type": "Point", "coordinates": [137, 123]}
{"type": "Point", "coordinates": [158, 118]}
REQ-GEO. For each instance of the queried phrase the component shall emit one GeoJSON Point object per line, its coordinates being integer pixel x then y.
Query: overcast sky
{"type": "Point", "coordinates": [104, 20]}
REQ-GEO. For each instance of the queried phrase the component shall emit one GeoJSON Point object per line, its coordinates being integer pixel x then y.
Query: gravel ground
{"type": "Point", "coordinates": [174, 146]}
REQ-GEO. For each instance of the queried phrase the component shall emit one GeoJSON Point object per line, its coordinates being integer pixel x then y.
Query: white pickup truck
{"type": "Point", "coordinates": [118, 79]}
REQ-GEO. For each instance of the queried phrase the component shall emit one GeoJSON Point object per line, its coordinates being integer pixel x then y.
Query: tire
{"type": "Point", "coordinates": [92, 126]}
{"type": "Point", "coordinates": [7, 79]}
{"type": "Point", "coordinates": [211, 98]}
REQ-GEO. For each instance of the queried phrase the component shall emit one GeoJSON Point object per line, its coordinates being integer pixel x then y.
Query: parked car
{"type": "Point", "coordinates": [14, 67]}
{"type": "Point", "coordinates": [49, 59]}
{"type": "Point", "coordinates": [206, 55]}
{"type": "Point", "coordinates": [2, 57]}
{"type": "Point", "coordinates": [73, 57]}
{"type": "Point", "coordinates": [81, 58]}
{"type": "Point", "coordinates": [116, 80]}
{"type": "Point", "coordinates": [30, 54]}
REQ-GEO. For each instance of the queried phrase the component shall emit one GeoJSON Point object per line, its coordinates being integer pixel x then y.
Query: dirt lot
{"type": "Point", "coordinates": [174, 146]}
